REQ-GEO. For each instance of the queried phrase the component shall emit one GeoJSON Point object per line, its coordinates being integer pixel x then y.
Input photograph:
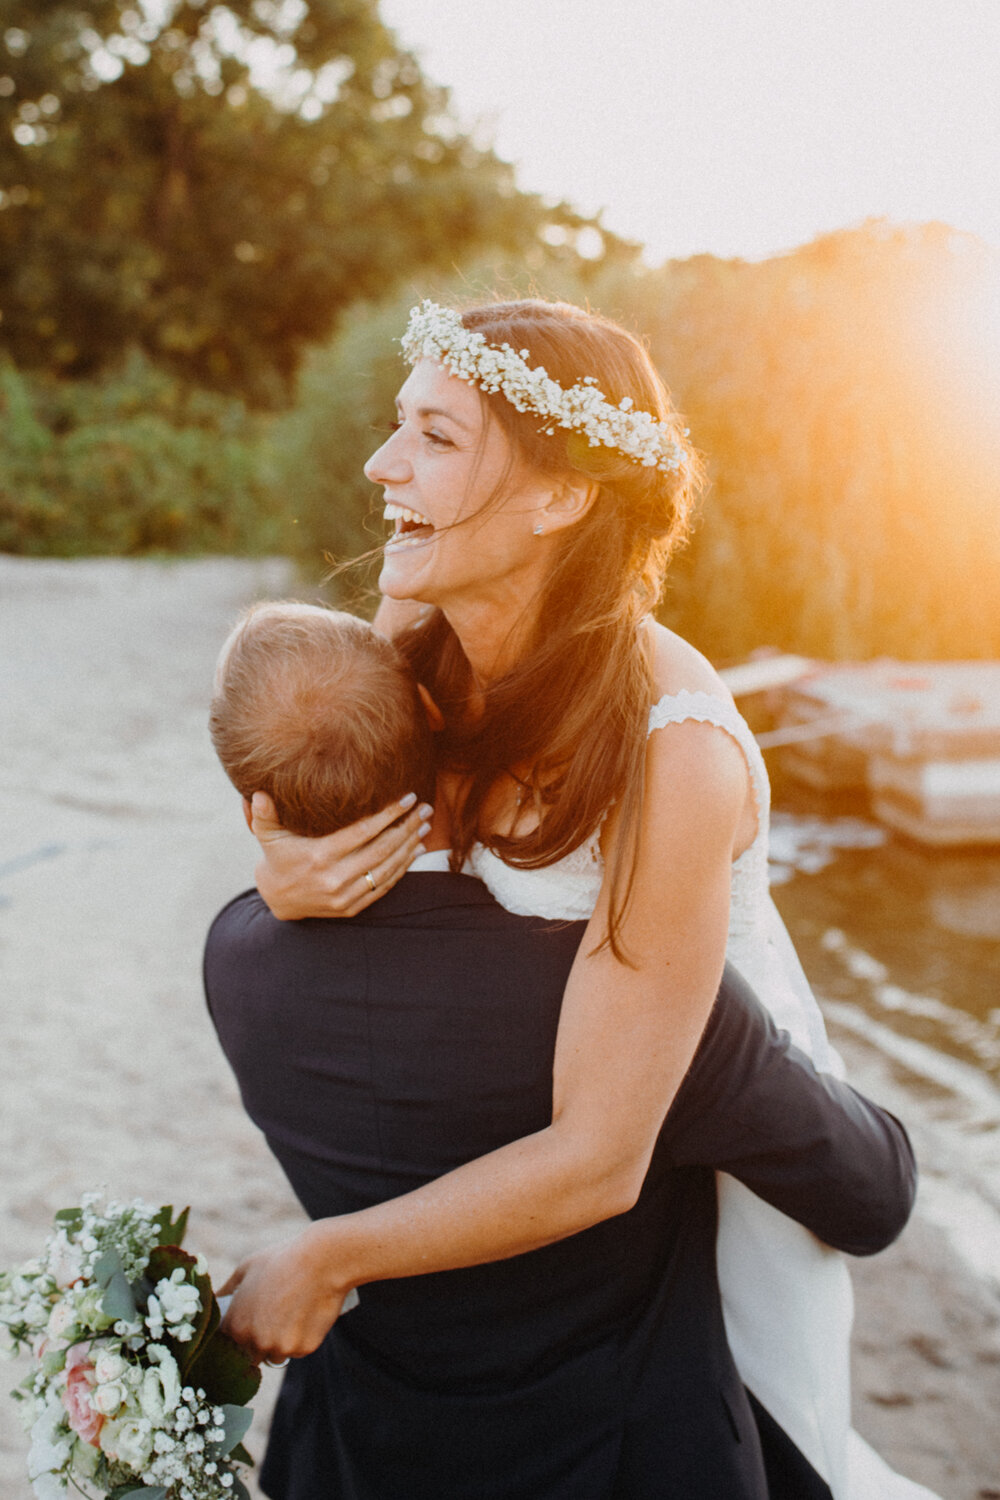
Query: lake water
{"type": "Point", "coordinates": [902, 945]}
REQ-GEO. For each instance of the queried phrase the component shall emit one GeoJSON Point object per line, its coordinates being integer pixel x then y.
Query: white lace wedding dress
{"type": "Point", "coordinates": [787, 1298]}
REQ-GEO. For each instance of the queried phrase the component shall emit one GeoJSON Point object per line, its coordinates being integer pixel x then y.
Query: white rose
{"type": "Point", "coordinates": [90, 1310]}
{"type": "Point", "coordinates": [65, 1264]}
{"type": "Point", "coordinates": [109, 1397]}
{"type": "Point", "coordinates": [169, 1375]}
{"type": "Point", "coordinates": [50, 1442]}
{"type": "Point", "coordinates": [128, 1441]}
{"type": "Point", "coordinates": [109, 1365]}
{"type": "Point", "coordinates": [151, 1402]}
{"type": "Point", "coordinates": [61, 1320]}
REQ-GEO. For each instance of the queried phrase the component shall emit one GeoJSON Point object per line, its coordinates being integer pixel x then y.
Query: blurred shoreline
{"type": "Point", "coordinates": [122, 838]}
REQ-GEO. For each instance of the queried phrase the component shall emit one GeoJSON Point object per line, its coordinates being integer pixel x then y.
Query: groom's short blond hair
{"type": "Point", "coordinates": [319, 711]}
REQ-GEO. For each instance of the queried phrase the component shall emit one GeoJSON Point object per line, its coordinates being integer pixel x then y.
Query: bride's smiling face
{"type": "Point", "coordinates": [462, 506]}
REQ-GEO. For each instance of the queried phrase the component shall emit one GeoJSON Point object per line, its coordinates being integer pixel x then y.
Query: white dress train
{"type": "Point", "coordinates": [787, 1298]}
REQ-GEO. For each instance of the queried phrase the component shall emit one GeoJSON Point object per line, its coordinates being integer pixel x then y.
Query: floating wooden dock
{"type": "Point", "coordinates": [922, 738]}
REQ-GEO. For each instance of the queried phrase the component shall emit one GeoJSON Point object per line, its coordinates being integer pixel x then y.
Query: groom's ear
{"type": "Point", "coordinates": [435, 717]}
{"type": "Point", "coordinates": [248, 813]}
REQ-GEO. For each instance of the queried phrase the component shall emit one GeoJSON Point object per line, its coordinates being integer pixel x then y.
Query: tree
{"type": "Point", "coordinates": [216, 183]}
{"type": "Point", "coordinates": [846, 397]}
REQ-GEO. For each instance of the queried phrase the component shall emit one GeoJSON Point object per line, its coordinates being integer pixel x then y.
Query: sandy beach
{"type": "Point", "coordinates": [121, 838]}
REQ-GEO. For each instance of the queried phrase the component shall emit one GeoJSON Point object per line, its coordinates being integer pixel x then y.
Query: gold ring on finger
{"type": "Point", "coordinates": [371, 880]}
{"type": "Point", "coordinates": [276, 1364]}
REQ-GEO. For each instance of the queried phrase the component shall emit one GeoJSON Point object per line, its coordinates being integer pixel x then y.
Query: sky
{"type": "Point", "coordinates": [736, 127]}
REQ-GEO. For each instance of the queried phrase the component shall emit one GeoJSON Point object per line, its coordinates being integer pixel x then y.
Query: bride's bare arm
{"type": "Point", "coordinates": [626, 1038]}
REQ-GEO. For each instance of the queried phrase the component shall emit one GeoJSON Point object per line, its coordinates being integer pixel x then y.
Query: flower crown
{"type": "Point", "coordinates": [436, 332]}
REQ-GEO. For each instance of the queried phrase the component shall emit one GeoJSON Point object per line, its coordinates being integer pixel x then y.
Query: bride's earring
{"type": "Point", "coordinates": [538, 530]}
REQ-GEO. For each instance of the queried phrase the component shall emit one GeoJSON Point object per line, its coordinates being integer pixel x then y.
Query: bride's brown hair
{"type": "Point", "coordinates": [569, 720]}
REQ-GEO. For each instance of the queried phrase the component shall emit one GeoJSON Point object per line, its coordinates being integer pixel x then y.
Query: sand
{"type": "Point", "coordinates": [120, 839]}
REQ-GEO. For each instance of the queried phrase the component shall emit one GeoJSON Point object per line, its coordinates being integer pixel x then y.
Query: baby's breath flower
{"type": "Point", "coordinates": [438, 333]}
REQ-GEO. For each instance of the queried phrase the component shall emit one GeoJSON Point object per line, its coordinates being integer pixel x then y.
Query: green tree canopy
{"type": "Point", "coordinates": [215, 183]}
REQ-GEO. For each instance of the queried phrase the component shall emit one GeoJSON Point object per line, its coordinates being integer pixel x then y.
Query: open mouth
{"type": "Point", "coordinates": [410, 527]}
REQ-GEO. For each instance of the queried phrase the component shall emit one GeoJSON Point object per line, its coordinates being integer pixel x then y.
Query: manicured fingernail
{"type": "Point", "coordinates": [419, 850]}
{"type": "Point", "coordinates": [408, 800]}
{"type": "Point", "coordinates": [424, 829]}
{"type": "Point", "coordinates": [425, 811]}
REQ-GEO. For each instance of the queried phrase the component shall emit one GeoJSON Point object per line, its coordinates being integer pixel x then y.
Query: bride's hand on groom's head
{"type": "Point", "coordinates": [342, 873]}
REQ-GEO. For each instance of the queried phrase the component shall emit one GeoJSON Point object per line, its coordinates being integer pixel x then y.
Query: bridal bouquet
{"type": "Point", "coordinates": [134, 1391]}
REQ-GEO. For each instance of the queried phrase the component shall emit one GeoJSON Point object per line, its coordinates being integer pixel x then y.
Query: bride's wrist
{"type": "Point", "coordinates": [326, 1251]}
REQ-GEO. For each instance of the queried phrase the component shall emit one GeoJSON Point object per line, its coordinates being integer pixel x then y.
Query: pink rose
{"type": "Point", "coordinates": [84, 1418]}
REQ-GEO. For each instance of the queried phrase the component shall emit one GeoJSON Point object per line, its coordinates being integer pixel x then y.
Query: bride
{"type": "Point", "coordinates": [537, 480]}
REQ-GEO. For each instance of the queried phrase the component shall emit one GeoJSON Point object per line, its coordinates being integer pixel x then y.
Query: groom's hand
{"type": "Point", "coordinates": [342, 873]}
{"type": "Point", "coordinates": [281, 1308]}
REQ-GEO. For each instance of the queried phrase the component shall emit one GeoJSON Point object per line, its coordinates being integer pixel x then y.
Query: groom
{"type": "Point", "coordinates": [379, 1052]}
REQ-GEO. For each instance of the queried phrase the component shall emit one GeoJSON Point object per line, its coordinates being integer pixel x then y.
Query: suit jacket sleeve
{"type": "Point", "coordinates": [754, 1106]}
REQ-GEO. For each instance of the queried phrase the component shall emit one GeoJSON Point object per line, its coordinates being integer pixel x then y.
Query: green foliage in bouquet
{"type": "Point", "coordinates": [135, 1388]}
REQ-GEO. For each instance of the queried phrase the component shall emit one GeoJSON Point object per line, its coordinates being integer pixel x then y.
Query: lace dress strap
{"type": "Point", "coordinates": [677, 708]}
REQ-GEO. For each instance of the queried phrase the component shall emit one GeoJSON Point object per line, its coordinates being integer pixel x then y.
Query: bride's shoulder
{"type": "Point", "coordinates": [707, 769]}
{"type": "Point", "coordinates": [679, 668]}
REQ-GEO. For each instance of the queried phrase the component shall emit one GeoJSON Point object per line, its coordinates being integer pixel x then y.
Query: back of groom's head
{"type": "Point", "coordinates": [319, 711]}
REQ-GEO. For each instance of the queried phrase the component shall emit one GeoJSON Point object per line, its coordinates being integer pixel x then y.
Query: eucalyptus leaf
{"type": "Point", "coordinates": [106, 1266]}
{"type": "Point", "coordinates": [239, 1490]}
{"type": "Point", "coordinates": [118, 1300]}
{"type": "Point", "coordinates": [236, 1425]}
{"type": "Point", "coordinates": [148, 1492]}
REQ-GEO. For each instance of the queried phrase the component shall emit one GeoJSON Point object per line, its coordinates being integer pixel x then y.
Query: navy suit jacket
{"type": "Point", "coordinates": [378, 1053]}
